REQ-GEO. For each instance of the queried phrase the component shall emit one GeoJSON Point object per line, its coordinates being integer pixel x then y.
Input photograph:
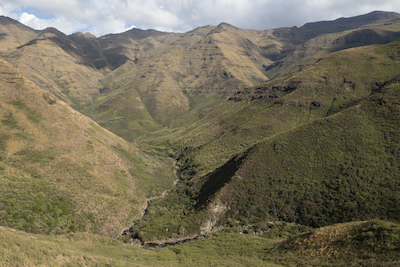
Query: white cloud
{"type": "Point", "coordinates": [6, 9]}
{"type": "Point", "coordinates": [31, 20]}
{"type": "Point", "coordinates": [111, 16]}
{"type": "Point", "coordinates": [61, 23]}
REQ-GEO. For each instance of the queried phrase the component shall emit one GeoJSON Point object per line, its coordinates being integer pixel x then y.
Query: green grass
{"type": "Point", "coordinates": [353, 244]}
{"type": "Point", "coordinates": [38, 206]}
{"type": "Point", "coordinates": [156, 172]}
{"type": "Point", "coordinates": [32, 115]}
{"type": "Point", "coordinates": [18, 248]}
{"type": "Point", "coordinates": [9, 121]}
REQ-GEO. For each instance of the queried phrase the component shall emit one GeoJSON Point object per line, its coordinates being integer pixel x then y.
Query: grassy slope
{"type": "Point", "coordinates": [371, 243]}
{"type": "Point", "coordinates": [362, 243]}
{"type": "Point", "coordinates": [62, 172]}
{"type": "Point", "coordinates": [273, 180]}
{"type": "Point", "coordinates": [342, 168]}
{"type": "Point", "coordinates": [89, 250]}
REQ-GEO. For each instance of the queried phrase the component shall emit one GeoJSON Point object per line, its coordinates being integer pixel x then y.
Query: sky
{"type": "Point", "coordinates": [101, 17]}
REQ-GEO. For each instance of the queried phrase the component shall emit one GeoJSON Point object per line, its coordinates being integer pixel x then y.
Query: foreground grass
{"type": "Point", "coordinates": [363, 243]}
{"type": "Point", "coordinates": [82, 249]}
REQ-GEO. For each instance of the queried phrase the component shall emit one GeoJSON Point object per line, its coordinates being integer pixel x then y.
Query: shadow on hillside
{"type": "Point", "coordinates": [216, 180]}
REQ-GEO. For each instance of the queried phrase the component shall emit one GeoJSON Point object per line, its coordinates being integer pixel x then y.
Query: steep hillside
{"type": "Point", "coordinates": [62, 172]}
{"type": "Point", "coordinates": [132, 45]}
{"type": "Point", "coordinates": [317, 147]}
{"type": "Point", "coordinates": [92, 50]}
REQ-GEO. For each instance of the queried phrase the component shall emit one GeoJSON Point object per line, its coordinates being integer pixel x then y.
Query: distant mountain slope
{"type": "Point", "coordinates": [61, 172]}
{"type": "Point", "coordinates": [343, 24]}
{"type": "Point", "coordinates": [142, 81]}
{"type": "Point", "coordinates": [305, 45]}
{"type": "Point", "coordinates": [92, 50]}
{"type": "Point", "coordinates": [176, 76]}
{"type": "Point", "coordinates": [196, 70]}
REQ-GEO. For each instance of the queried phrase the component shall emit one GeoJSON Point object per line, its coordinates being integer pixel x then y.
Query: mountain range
{"type": "Point", "coordinates": [172, 136]}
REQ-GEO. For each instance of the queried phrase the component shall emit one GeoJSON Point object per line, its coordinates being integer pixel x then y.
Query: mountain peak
{"type": "Point", "coordinates": [83, 35]}
{"type": "Point", "coordinates": [89, 35]}
{"type": "Point", "coordinates": [54, 31]}
{"type": "Point", "coordinates": [225, 25]}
